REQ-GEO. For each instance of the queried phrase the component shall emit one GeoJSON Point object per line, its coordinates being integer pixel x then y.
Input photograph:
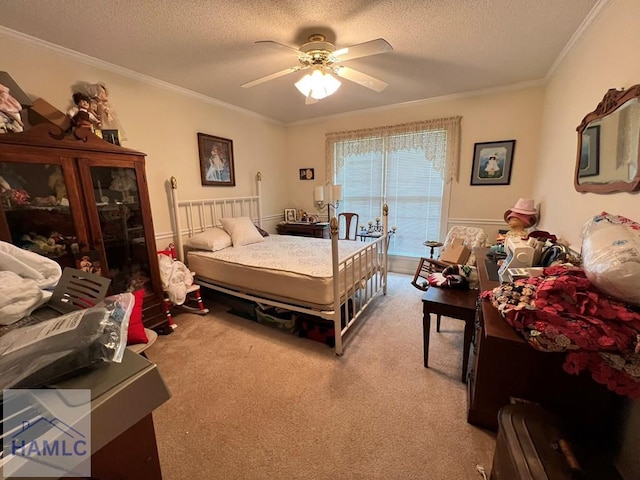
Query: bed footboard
{"type": "Point", "coordinates": [364, 276]}
{"type": "Point", "coordinates": [357, 279]}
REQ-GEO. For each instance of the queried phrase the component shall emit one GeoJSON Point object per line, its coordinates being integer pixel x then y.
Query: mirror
{"type": "Point", "coordinates": [608, 140]}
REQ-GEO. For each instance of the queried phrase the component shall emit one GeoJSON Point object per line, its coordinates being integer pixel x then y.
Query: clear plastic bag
{"type": "Point", "coordinates": [52, 350]}
{"type": "Point", "coordinates": [611, 256]}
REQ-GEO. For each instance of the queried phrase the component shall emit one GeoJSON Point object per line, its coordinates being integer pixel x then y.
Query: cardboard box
{"type": "Point", "coordinates": [455, 253]}
{"type": "Point", "coordinates": [43, 112]}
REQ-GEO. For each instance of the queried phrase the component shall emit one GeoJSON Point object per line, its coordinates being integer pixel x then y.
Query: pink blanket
{"type": "Point", "coordinates": [562, 311]}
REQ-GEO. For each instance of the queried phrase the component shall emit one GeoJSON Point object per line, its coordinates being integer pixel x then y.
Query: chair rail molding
{"type": "Point", "coordinates": [474, 221]}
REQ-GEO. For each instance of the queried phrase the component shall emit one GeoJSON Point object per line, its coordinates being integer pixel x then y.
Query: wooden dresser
{"type": "Point", "coordinates": [502, 365]}
{"type": "Point", "coordinates": [318, 230]}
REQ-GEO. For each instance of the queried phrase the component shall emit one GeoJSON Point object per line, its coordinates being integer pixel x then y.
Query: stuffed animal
{"type": "Point", "coordinates": [102, 109]}
{"type": "Point", "coordinates": [123, 180]}
{"type": "Point", "coordinates": [57, 185]}
{"type": "Point", "coordinates": [10, 120]}
{"type": "Point", "coordinates": [36, 242]}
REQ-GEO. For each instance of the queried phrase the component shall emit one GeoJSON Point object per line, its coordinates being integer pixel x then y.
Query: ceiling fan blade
{"type": "Point", "coordinates": [282, 46]}
{"type": "Point", "coordinates": [372, 47]}
{"type": "Point", "coordinates": [266, 78]}
{"type": "Point", "coordinates": [360, 78]}
{"type": "Point", "coordinates": [309, 100]}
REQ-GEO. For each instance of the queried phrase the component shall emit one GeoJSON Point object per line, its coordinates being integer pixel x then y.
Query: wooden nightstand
{"type": "Point", "coordinates": [318, 230]}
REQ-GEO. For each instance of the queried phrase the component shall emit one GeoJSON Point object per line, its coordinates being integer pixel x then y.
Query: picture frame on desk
{"type": "Point", "coordinates": [290, 215]}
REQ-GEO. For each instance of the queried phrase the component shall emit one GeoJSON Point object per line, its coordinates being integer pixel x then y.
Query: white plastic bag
{"type": "Point", "coordinates": [611, 256]}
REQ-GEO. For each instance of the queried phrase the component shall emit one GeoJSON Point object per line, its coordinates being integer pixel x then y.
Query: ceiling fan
{"type": "Point", "coordinates": [325, 61]}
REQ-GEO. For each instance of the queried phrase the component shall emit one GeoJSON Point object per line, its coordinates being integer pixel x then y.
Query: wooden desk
{"type": "Point", "coordinates": [502, 365]}
{"type": "Point", "coordinates": [318, 230]}
{"type": "Point", "coordinates": [459, 304]}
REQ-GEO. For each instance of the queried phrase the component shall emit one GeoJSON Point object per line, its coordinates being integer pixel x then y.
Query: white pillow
{"type": "Point", "coordinates": [213, 239]}
{"type": "Point", "coordinates": [242, 231]}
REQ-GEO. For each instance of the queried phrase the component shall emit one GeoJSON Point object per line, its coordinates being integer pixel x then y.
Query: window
{"type": "Point", "coordinates": [407, 167]}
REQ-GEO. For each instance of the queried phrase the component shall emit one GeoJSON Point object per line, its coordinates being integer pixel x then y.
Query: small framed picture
{"type": "Point", "coordinates": [290, 215]}
{"type": "Point", "coordinates": [492, 163]}
{"type": "Point", "coordinates": [216, 161]}
{"type": "Point", "coordinates": [307, 174]}
{"type": "Point", "coordinates": [111, 136]}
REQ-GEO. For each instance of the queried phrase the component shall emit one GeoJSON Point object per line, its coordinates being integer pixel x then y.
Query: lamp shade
{"type": "Point", "coordinates": [337, 193]}
{"type": "Point", "coordinates": [318, 194]}
{"type": "Point", "coordinates": [318, 84]}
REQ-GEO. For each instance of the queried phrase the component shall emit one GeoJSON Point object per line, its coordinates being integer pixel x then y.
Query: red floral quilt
{"type": "Point", "coordinates": [562, 311]}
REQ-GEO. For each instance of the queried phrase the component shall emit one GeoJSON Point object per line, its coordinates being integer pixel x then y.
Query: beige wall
{"type": "Point", "coordinates": [602, 58]}
{"type": "Point", "coordinates": [486, 117]}
{"type": "Point", "coordinates": [161, 121]}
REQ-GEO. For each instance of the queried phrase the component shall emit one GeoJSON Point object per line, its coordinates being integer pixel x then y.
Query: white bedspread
{"type": "Point", "coordinates": [288, 253]}
{"type": "Point", "coordinates": [24, 276]}
{"type": "Point", "coordinates": [295, 270]}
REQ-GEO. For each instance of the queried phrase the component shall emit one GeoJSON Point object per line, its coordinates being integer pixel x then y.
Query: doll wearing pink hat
{"type": "Point", "coordinates": [521, 216]}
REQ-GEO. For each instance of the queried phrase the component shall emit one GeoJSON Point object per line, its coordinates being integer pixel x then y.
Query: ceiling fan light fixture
{"type": "Point", "coordinates": [318, 84]}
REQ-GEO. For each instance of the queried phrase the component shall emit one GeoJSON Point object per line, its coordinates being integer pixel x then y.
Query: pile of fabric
{"type": "Point", "coordinates": [562, 311]}
{"type": "Point", "coordinates": [26, 282]}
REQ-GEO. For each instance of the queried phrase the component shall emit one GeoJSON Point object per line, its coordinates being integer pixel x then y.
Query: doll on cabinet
{"type": "Point", "coordinates": [81, 115]}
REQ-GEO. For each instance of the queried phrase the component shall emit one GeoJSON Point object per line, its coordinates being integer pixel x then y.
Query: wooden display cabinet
{"type": "Point", "coordinates": [82, 202]}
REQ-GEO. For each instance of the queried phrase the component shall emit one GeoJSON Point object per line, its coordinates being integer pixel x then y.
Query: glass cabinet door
{"type": "Point", "coordinates": [41, 213]}
{"type": "Point", "coordinates": [121, 228]}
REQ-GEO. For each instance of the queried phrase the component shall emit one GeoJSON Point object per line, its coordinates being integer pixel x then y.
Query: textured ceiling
{"type": "Point", "coordinates": [440, 47]}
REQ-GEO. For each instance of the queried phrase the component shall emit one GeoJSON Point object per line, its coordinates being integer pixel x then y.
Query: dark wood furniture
{"type": "Point", "coordinates": [350, 225]}
{"type": "Point", "coordinates": [317, 230]}
{"type": "Point", "coordinates": [459, 304]}
{"type": "Point", "coordinates": [123, 397]}
{"type": "Point", "coordinates": [503, 366]}
{"type": "Point", "coordinates": [77, 198]}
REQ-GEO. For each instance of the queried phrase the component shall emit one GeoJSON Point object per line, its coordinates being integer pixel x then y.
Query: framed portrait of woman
{"type": "Point", "coordinates": [216, 161]}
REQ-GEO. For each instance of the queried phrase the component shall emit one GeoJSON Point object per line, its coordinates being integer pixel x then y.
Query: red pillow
{"type": "Point", "coordinates": [136, 333]}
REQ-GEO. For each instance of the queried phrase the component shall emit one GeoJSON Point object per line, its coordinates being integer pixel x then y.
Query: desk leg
{"type": "Point", "coordinates": [468, 329]}
{"type": "Point", "coordinates": [426, 330]}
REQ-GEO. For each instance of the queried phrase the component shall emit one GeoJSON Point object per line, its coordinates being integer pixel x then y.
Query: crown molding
{"type": "Point", "coordinates": [125, 72]}
{"type": "Point", "coordinates": [426, 101]}
{"type": "Point", "coordinates": [591, 18]}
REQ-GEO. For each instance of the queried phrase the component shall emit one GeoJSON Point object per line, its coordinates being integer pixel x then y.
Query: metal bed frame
{"type": "Point", "coordinates": [348, 306]}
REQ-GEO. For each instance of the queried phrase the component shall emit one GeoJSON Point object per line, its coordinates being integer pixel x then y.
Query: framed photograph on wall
{"type": "Point", "coordinates": [492, 163]}
{"type": "Point", "coordinates": [290, 215]}
{"type": "Point", "coordinates": [216, 161]}
{"type": "Point", "coordinates": [590, 153]}
{"type": "Point", "coordinates": [307, 174]}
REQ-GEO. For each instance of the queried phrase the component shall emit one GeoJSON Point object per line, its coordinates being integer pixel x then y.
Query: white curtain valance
{"type": "Point", "coordinates": [435, 137]}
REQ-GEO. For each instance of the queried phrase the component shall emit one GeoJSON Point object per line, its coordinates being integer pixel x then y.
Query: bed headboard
{"type": "Point", "coordinates": [195, 216]}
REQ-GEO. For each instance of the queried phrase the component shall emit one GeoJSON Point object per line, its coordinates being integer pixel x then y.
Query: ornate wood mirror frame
{"type": "Point", "coordinates": [608, 157]}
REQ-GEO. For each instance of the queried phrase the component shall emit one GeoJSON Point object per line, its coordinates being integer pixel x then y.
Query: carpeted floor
{"type": "Point", "coordinates": [252, 402]}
